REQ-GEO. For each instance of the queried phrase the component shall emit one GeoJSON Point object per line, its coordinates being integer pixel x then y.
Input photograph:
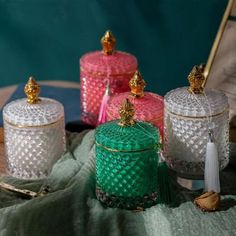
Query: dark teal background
{"type": "Point", "coordinates": [46, 38]}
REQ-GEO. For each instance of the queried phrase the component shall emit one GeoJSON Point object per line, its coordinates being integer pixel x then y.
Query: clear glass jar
{"type": "Point", "coordinates": [34, 135]}
{"type": "Point", "coordinates": [186, 126]}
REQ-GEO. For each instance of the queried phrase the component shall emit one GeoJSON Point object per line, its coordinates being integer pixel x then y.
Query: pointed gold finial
{"type": "Point", "coordinates": [126, 112]}
{"type": "Point", "coordinates": [108, 42]}
{"type": "Point", "coordinates": [196, 79]}
{"type": "Point", "coordinates": [32, 90]}
{"type": "Point", "coordinates": [137, 85]}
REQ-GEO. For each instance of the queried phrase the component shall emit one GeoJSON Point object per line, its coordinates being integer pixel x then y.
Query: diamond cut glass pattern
{"type": "Point", "coordinates": [96, 70]}
{"type": "Point", "coordinates": [186, 130]}
{"type": "Point", "coordinates": [34, 137]}
{"type": "Point", "coordinates": [126, 165]}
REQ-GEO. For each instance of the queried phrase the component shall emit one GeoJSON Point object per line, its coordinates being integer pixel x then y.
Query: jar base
{"type": "Point", "coordinates": [129, 203]}
{"type": "Point", "coordinates": [191, 184]}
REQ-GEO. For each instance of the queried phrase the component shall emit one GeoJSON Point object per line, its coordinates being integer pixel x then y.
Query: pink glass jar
{"type": "Point", "coordinates": [99, 68]}
{"type": "Point", "coordinates": [148, 106]}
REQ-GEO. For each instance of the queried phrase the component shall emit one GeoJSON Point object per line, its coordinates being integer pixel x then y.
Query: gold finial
{"type": "Point", "coordinates": [32, 90]}
{"type": "Point", "coordinates": [126, 112]}
{"type": "Point", "coordinates": [108, 42]}
{"type": "Point", "coordinates": [137, 85]}
{"type": "Point", "coordinates": [196, 79]}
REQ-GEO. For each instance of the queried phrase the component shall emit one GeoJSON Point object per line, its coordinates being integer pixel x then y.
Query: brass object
{"type": "Point", "coordinates": [108, 42]}
{"type": "Point", "coordinates": [32, 90]}
{"type": "Point", "coordinates": [196, 79]}
{"type": "Point", "coordinates": [209, 201]}
{"type": "Point", "coordinates": [217, 40]}
{"type": "Point", "coordinates": [126, 112]}
{"type": "Point", "coordinates": [137, 85]}
{"type": "Point", "coordinates": [24, 192]}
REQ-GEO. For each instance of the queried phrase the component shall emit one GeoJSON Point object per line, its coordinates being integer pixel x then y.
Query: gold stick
{"type": "Point", "coordinates": [24, 192]}
{"type": "Point", "coordinates": [217, 40]}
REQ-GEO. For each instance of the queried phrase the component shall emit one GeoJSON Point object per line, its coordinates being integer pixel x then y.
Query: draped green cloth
{"type": "Point", "coordinates": [71, 207]}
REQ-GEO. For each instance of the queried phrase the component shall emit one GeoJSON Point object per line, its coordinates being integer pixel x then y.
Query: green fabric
{"type": "Point", "coordinates": [72, 208]}
{"type": "Point", "coordinates": [46, 38]}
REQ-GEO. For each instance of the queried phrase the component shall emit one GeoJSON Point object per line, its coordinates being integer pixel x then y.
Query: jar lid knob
{"type": "Point", "coordinates": [32, 90]}
{"type": "Point", "coordinates": [126, 112]}
{"type": "Point", "coordinates": [108, 42]}
{"type": "Point", "coordinates": [196, 79]}
{"type": "Point", "coordinates": [137, 85]}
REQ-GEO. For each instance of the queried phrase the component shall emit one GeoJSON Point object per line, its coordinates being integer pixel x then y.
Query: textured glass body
{"type": "Point", "coordinates": [149, 108]}
{"type": "Point", "coordinates": [186, 130]}
{"type": "Point", "coordinates": [34, 137]}
{"type": "Point", "coordinates": [126, 165]}
{"type": "Point", "coordinates": [96, 71]}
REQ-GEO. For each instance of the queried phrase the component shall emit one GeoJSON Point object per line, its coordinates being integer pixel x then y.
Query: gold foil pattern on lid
{"type": "Point", "coordinates": [137, 85]}
{"type": "Point", "coordinates": [32, 90]}
{"type": "Point", "coordinates": [196, 79]}
{"type": "Point", "coordinates": [126, 112]}
{"type": "Point", "coordinates": [108, 42]}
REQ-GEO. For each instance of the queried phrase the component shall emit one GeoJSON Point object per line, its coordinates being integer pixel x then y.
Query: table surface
{"type": "Point", "coordinates": [5, 94]}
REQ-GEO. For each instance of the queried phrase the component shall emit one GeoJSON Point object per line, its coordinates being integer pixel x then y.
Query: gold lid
{"type": "Point", "coordinates": [108, 42]}
{"type": "Point", "coordinates": [32, 90]}
{"type": "Point", "coordinates": [126, 112]}
{"type": "Point", "coordinates": [196, 79]}
{"type": "Point", "coordinates": [137, 85]}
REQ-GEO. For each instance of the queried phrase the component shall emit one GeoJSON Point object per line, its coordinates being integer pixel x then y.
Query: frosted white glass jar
{"type": "Point", "coordinates": [34, 134]}
{"type": "Point", "coordinates": [186, 115]}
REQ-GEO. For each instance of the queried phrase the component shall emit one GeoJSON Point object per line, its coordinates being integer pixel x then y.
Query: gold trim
{"type": "Point", "coordinates": [116, 150]}
{"type": "Point", "coordinates": [126, 112]}
{"type": "Point", "coordinates": [137, 85]}
{"type": "Point", "coordinates": [108, 42]}
{"type": "Point", "coordinates": [217, 40]}
{"type": "Point", "coordinates": [198, 117]}
{"type": "Point", "coordinates": [196, 79]}
{"type": "Point", "coordinates": [104, 74]}
{"type": "Point", "coordinates": [33, 126]}
{"type": "Point", "coordinates": [32, 90]}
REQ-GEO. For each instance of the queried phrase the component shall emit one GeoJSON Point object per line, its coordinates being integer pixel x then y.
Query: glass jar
{"type": "Point", "coordinates": [126, 162]}
{"type": "Point", "coordinates": [148, 106]}
{"type": "Point", "coordinates": [189, 115]}
{"type": "Point", "coordinates": [34, 134]}
{"type": "Point", "coordinates": [99, 68]}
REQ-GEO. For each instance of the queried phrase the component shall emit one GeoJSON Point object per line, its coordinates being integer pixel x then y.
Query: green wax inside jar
{"type": "Point", "coordinates": [126, 174]}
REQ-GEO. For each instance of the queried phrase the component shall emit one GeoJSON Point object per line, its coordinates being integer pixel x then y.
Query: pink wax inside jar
{"type": "Point", "coordinates": [96, 70]}
{"type": "Point", "coordinates": [148, 108]}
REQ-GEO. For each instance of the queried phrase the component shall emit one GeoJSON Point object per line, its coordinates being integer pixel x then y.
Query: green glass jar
{"type": "Point", "coordinates": [126, 164]}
